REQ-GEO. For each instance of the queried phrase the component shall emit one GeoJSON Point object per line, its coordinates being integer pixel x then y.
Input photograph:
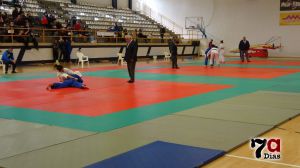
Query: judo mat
{"type": "Point", "coordinates": [112, 94]}
{"type": "Point", "coordinates": [232, 72]}
{"type": "Point", "coordinates": [161, 155]}
{"type": "Point", "coordinates": [280, 100]}
{"type": "Point", "coordinates": [212, 108]}
{"type": "Point", "coordinates": [242, 109]}
{"type": "Point", "coordinates": [20, 137]}
{"type": "Point", "coordinates": [268, 62]}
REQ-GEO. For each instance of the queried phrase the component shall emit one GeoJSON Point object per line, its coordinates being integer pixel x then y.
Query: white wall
{"type": "Point", "coordinates": [122, 4]}
{"type": "Point", "coordinates": [231, 19]}
{"type": "Point", "coordinates": [100, 3]}
{"type": "Point", "coordinates": [105, 3]}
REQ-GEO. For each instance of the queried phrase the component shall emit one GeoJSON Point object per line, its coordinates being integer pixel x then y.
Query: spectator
{"type": "Point", "coordinates": [62, 49]}
{"type": "Point", "coordinates": [77, 26]}
{"type": "Point", "coordinates": [15, 13]}
{"type": "Point", "coordinates": [58, 25]}
{"type": "Point", "coordinates": [211, 44]}
{"type": "Point", "coordinates": [8, 59]}
{"type": "Point", "coordinates": [20, 21]}
{"type": "Point", "coordinates": [55, 50]}
{"type": "Point", "coordinates": [73, 21]}
{"type": "Point", "coordinates": [173, 51]}
{"type": "Point", "coordinates": [5, 17]}
{"type": "Point", "coordinates": [44, 20]}
{"type": "Point", "coordinates": [11, 30]}
{"type": "Point", "coordinates": [1, 20]}
{"type": "Point", "coordinates": [21, 12]}
{"type": "Point", "coordinates": [162, 33]}
{"type": "Point", "coordinates": [244, 47]}
{"type": "Point", "coordinates": [134, 34]}
{"type": "Point", "coordinates": [116, 28]}
{"type": "Point", "coordinates": [68, 51]}
{"type": "Point", "coordinates": [142, 36]}
{"type": "Point", "coordinates": [29, 37]}
{"type": "Point", "coordinates": [2, 29]}
{"type": "Point", "coordinates": [124, 33]}
{"type": "Point", "coordinates": [51, 20]}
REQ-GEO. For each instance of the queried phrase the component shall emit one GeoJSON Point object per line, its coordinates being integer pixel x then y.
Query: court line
{"type": "Point", "coordinates": [265, 161]}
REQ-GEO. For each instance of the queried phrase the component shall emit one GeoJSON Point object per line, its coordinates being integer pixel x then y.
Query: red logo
{"type": "Point", "coordinates": [266, 148]}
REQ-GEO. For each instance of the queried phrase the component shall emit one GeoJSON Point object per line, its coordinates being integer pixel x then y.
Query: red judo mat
{"type": "Point", "coordinates": [269, 62]}
{"type": "Point", "coordinates": [233, 72]}
{"type": "Point", "coordinates": [105, 96]}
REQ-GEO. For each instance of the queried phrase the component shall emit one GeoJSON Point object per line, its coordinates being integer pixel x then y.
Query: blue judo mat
{"type": "Point", "coordinates": [161, 155]}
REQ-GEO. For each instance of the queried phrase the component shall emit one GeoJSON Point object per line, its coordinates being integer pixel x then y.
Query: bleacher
{"type": "Point", "coordinates": [103, 18]}
{"type": "Point", "coordinates": [96, 18]}
{"type": "Point", "coordinates": [33, 7]}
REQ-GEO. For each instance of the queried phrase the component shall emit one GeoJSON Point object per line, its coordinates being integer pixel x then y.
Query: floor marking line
{"type": "Point", "coordinates": [265, 161]}
{"type": "Point", "coordinates": [218, 119]}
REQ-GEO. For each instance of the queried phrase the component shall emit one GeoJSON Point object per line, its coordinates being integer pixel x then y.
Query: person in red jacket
{"type": "Point", "coordinates": [77, 26]}
{"type": "Point", "coordinates": [44, 21]}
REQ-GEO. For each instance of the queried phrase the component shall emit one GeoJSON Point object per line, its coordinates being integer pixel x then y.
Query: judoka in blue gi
{"type": "Point", "coordinates": [67, 78]}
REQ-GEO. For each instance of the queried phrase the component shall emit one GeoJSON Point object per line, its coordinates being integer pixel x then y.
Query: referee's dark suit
{"type": "Point", "coordinates": [131, 57]}
{"type": "Point", "coordinates": [173, 51]}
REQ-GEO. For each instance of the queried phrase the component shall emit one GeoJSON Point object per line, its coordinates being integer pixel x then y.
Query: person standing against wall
{"type": "Point", "coordinates": [62, 49]}
{"type": "Point", "coordinates": [131, 56]}
{"type": "Point", "coordinates": [68, 51]}
{"type": "Point", "coordinates": [173, 51]}
{"type": "Point", "coordinates": [55, 50]}
{"type": "Point", "coordinates": [244, 48]}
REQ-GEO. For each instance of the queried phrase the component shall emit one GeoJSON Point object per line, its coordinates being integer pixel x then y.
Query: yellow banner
{"type": "Point", "coordinates": [290, 18]}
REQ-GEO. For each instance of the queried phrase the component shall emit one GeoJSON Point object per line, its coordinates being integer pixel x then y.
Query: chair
{"type": "Point", "coordinates": [82, 58]}
{"type": "Point", "coordinates": [202, 52]}
{"type": "Point", "coordinates": [167, 56]}
{"type": "Point", "coordinates": [155, 58]}
{"type": "Point", "coordinates": [121, 58]}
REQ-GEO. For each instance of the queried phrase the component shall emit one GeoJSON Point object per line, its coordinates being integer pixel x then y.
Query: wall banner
{"type": "Point", "coordinates": [290, 18]}
{"type": "Point", "coordinates": [289, 5]}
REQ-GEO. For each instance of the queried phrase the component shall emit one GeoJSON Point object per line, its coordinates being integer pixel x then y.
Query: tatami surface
{"type": "Point", "coordinates": [202, 107]}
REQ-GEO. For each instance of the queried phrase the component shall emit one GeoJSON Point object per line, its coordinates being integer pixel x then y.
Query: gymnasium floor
{"type": "Point", "coordinates": [217, 109]}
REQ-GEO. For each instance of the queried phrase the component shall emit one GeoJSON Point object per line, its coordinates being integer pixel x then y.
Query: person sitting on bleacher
{"type": "Point", "coordinates": [142, 36]}
{"type": "Point", "coordinates": [8, 59]}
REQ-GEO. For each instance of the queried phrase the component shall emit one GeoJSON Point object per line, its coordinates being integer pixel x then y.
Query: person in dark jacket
{"type": "Point", "coordinates": [244, 47]}
{"type": "Point", "coordinates": [62, 49]}
{"type": "Point", "coordinates": [8, 59]}
{"type": "Point", "coordinates": [68, 51]}
{"type": "Point", "coordinates": [173, 51]}
{"type": "Point", "coordinates": [55, 50]}
{"type": "Point", "coordinates": [15, 13]}
{"type": "Point", "coordinates": [131, 56]}
{"type": "Point", "coordinates": [162, 33]}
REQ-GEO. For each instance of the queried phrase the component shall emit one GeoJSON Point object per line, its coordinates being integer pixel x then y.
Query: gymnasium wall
{"type": "Point", "coordinates": [104, 3]}
{"type": "Point", "coordinates": [229, 20]}
{"type": "Point", "coordinates": [98, 51]}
